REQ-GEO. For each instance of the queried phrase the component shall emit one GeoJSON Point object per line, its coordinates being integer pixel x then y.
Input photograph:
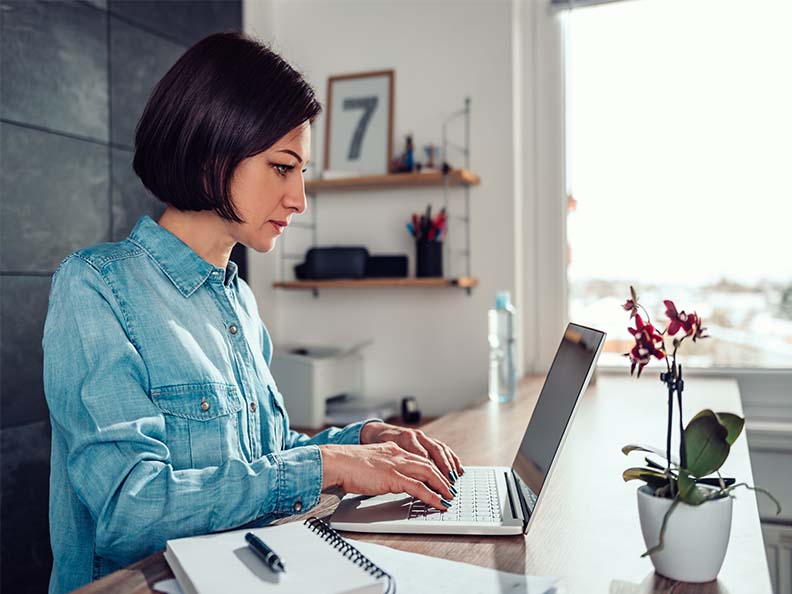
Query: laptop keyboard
{"type": "Point", "coordinates": [477, 500]}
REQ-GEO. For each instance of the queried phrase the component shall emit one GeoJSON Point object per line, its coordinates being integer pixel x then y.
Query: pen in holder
{"type": "Point", "coordinates": [428, 258]}
{"type": "Point", "coordinates": [428, 234]}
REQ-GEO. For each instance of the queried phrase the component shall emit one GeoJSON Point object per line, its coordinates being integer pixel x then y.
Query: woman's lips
{"type": "Point", "coordinates": [278, 228]}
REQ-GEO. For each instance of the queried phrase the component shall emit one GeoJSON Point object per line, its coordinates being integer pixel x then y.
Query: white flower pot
{"type": "Point", "coordinates": [696, 537]}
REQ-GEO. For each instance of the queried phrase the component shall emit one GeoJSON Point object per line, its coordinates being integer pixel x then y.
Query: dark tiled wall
{"type": "Point", "coordinates": [76, 75]}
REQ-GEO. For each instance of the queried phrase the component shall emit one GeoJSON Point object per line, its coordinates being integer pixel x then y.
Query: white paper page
{"type": "Point", "coordinates": [223, 563]}
{"type": "Point", "coordinates": [419, 574]}
{"type": "Point", "coordinates": [170, 586]}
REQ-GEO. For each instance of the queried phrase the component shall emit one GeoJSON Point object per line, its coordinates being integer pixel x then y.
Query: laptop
{"type": "Point", "coordinates": [494, 499]}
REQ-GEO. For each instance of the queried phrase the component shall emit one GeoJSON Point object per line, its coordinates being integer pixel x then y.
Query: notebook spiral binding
{"type": "Point", "coordinates": [336, 541]}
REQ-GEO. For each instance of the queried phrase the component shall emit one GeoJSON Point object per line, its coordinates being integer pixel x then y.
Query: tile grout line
{"type": "Point", "coordinates": [109, 126]}
{"type": "Point", "coordinates": [64, 134]}
{"type": "Point", "coordinates": [132, 23]}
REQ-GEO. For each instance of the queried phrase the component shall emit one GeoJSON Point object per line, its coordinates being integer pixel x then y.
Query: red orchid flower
{"type": "Point", "coordinates": [631, 305]}
{"type": "Point", "coordinates": [698, 331]}
{"type": "Point", "coordinates": [648, 344]}
{"type": "Point", "coordinates": [679, 320]}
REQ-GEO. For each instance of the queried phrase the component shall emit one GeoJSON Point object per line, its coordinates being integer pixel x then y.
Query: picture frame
{"type": "Point", "coordinates": [359, 123]}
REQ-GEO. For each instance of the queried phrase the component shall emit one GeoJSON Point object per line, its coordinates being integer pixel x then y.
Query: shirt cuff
{"type": "Point", "coordinates": [299, 476]}
{"type": "Point", "coordinates": [359, 428]}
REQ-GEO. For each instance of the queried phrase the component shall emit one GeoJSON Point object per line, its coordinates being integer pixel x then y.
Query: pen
{"type": "Point", "coordinates": [267, 554]}
{"type": "Point", "coordinates": [441, 218]}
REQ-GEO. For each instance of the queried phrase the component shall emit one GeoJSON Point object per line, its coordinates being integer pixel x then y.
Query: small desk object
{"type": "Point", "coordinates": [587, 534]}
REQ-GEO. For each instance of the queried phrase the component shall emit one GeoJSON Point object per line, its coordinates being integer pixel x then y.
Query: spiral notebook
{"type": "Point", "coordinates": [317, 559]}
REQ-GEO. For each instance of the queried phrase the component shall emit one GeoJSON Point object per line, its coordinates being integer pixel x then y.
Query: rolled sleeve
{"type": "Point", "coordinates": [299, 479]}
{"type": "Point", "coordinates": [349, 435]}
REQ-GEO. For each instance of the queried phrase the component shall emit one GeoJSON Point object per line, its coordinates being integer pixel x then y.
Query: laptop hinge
{"type": "Point", "coordinates": [524, 512]}
{"type": "Point", "coordinates": [511, 497]}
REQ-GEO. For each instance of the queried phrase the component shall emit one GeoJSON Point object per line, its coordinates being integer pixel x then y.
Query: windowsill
{"type": "Point", "coordinates": [765, 395]}
{"type": "Point", "coordinates": [702, 371]}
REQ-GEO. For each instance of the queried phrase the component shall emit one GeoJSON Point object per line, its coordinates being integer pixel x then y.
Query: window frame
{"type": "Point", "coordinates": [540, 93]}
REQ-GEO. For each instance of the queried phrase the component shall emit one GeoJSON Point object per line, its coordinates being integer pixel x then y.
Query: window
{"type": "Point", "coordinates": [679, 153]}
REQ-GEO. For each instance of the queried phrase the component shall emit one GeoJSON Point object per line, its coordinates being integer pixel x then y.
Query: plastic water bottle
{"type": "Point", "coordinates": [502, 368]}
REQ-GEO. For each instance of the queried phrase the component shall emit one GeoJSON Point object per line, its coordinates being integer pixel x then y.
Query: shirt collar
{"type": "Point", "coordinates": [185, 269]}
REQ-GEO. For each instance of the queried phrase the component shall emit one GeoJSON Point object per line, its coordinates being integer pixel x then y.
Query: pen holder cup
{"type": "Point", "coordinates": [428, 258]}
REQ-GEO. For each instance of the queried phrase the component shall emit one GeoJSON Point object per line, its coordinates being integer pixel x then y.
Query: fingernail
{"type": "Point", "coordinates": [444, 502]}
{"type": "Point", "coordinates": [453, 490]}
{"type": "Point", "coordinates": [451, 476]}
{"type": "Point", "coordinates": [456, 476]}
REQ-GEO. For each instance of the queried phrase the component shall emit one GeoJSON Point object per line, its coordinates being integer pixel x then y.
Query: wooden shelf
{"type": "Point", "coordinates": [464, 282]}
{"type": "Point", "coordinates": [456, 177]}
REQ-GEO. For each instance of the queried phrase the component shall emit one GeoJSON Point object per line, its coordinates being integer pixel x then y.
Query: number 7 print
{"type": "Point", "coordinates": [368, 105]}
{"type": "Point", "coordinates": [359, 123]}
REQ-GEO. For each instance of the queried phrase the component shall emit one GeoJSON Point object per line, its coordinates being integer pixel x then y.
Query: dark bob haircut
{"type": "Point", "coordinates": [227, 98]}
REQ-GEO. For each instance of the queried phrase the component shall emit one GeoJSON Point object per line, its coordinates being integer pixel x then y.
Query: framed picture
{"type": "Point", "coordinates": [359, 134]}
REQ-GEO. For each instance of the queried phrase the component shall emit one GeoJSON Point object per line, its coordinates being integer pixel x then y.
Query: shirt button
{"type": "Point", "coordinates": [297, 505]}
{"type": "Point", "coordinates": [204, 405]}
{"type": "Point", "coordinates": [253, 407]}
{"type": "Point", "coordinates": [233, 329]}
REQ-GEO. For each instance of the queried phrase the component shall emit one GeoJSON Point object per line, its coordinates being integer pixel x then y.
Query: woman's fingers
{"type": "Point", "coordinates": [412, 443]}
{"type": "Point", "coordinates": [454, 458]}
{"type": "Point", "coordinates": [420, 491]}
{"type": "Point", "coordinates": [388, 468]}
{"type": "Point", "coordinates": [425, 471]}
{"type": "Point", "coordinates": [438, 454]}
{"type": "Point", "coordinates": [434, 451]}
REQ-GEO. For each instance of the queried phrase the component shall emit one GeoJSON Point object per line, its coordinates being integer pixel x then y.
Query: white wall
{"type": "Point", "coordinates": [430, 343]}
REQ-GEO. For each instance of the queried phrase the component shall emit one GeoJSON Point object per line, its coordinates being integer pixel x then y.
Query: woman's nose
{"type": "Point", "coordinates": [295, 198]}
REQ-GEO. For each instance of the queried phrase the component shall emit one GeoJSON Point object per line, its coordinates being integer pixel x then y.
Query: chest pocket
{"type": "Point", "coordinates": [201, 422]}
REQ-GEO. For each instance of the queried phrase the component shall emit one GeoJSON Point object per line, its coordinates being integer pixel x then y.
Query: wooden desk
{"type": "Point", "coordinates": [587, 532]}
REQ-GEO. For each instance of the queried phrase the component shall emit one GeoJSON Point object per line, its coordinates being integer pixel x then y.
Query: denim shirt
{"type": "Point", "coordinates": [166, 420]}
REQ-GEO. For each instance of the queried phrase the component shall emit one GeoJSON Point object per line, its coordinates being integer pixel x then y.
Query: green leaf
{"type": "Point", "coordinates": [689, 492]}
{"type": "Point", "coordinates": [706, 448]}
{"type": "Point", "coordinates": [635, 447]}
{"type": "Point", "coordinates": [654, 478]}
{"type": "Point", "coordinates": [734, 425]}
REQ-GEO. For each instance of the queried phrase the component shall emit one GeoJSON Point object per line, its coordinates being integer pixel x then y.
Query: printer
{"type": "Point", "coordinates": [308, 376]}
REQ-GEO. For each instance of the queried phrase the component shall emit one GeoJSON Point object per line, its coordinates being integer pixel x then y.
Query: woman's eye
{"type": "Point", "coordinates": [283, 169]}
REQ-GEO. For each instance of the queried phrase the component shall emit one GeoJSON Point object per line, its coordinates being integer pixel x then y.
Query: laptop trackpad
{"type": "Point", "coordinates": [363, 509]}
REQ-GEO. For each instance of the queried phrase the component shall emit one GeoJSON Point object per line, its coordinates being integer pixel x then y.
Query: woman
{"type": "Point", "coordinates": [166, 421]}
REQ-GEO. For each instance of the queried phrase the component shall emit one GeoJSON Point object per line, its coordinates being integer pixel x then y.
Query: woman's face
{"type": "Point", "coordinates": [268, 188]}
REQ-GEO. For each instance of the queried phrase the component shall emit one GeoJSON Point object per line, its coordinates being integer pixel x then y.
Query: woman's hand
{"type": "Point", "coordinates": [375, 469]}
{"type": "Point", "coordinates": [417, 442]}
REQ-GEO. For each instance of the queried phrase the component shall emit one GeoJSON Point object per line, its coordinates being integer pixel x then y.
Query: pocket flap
{"type": "Point", "coordinates": [277, 399]}
{"type": "Point", "coordinates": [198, 401]}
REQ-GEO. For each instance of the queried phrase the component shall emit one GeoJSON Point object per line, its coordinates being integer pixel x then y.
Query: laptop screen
{"type": "Point", "coordinates": [566, 380]}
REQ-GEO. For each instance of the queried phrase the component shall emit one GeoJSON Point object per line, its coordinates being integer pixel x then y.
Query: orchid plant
{"type": "Point", "coordinates": [705, 443]}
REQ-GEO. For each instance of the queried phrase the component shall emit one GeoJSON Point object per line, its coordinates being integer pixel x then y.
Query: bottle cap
{"type": "Point", "coordinates": [502, 299]}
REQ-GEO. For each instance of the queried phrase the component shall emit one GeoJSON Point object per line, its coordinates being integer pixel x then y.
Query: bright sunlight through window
{"type": "Point", "coordinates": [679, 155]}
